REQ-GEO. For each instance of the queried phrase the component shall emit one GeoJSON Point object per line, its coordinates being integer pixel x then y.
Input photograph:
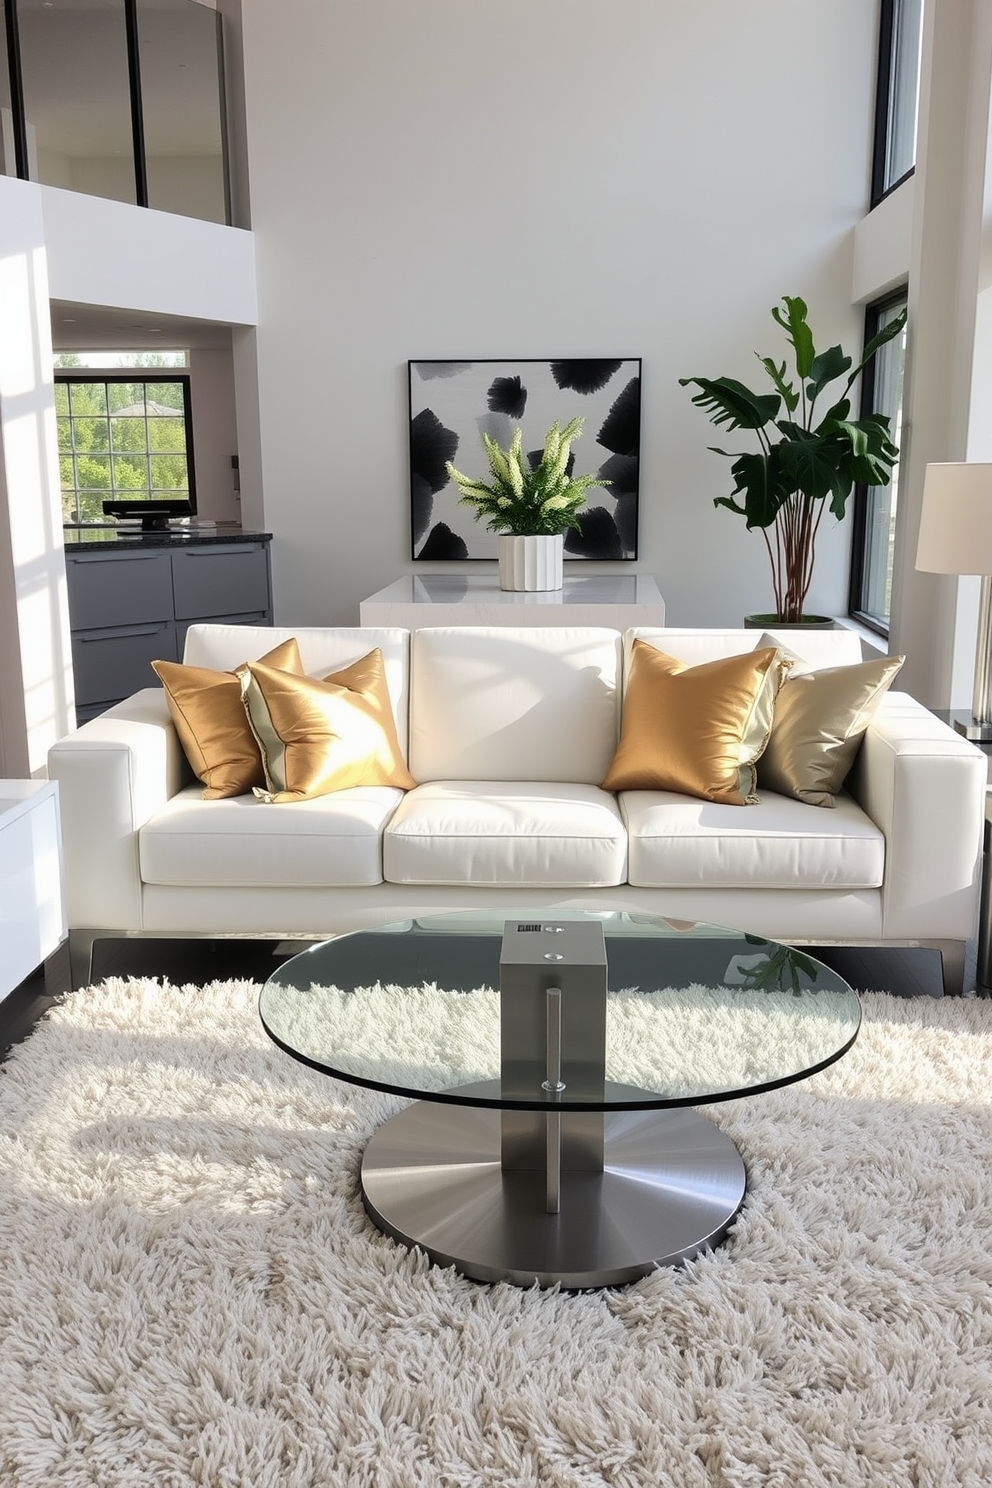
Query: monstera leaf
{"type": "Point", "coordinates": [801, 465]}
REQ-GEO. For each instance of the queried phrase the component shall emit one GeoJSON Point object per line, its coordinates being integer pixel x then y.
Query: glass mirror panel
{"type": "Point", "coordinates": [77, 99]}
{"type": "Point", "coordinates": [179, 44]}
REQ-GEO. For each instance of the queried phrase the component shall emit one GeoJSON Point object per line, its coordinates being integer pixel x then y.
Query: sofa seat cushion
{"type": "Point", "coordinates": [331, 842]}
{"type": "Point", "coordinates": [675, 841]}
{"type": "Point", "coordinates": [518, 833]}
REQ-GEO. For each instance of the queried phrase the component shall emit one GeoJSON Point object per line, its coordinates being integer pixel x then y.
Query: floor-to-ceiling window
{"type": "Point", "coordinates": [893, 160]}
{"type": "Point", "coordinates": [875, 507]}
{"type": "Point", "coordinates": [897, 94]}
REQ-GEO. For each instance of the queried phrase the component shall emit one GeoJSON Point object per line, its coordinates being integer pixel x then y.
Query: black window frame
{"type": "Point", "coordinates": [144, 375]}
{"type": "Point", "coordinates": [863, 495]}
{"type": "Point", "coordinates": [16, 85]}
{"type": "Point", "coordinates": [888, 37]}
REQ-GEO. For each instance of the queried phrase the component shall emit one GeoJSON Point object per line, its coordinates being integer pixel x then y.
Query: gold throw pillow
{"type": "Point", "coordinates": [698, 730]}
{"type": "Point", "coordinates": [210, 720]}
{"type": "Point", "coordinates": [317, 737]}
{"type": "Point", "coordinates": [820, 720]}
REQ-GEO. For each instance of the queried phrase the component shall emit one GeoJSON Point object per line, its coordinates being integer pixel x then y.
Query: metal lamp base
{"type": "Point", "coordinates": [671, 1185]}
{"type": "Point", "coordinates": [971, 727]}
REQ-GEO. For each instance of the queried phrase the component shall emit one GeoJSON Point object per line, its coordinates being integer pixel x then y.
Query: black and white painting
{"type": "Point", "coordinates": [453, 403]}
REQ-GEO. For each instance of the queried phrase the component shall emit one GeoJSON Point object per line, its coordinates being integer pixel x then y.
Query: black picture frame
{"type": "Point", "coordinates": [453, 403]}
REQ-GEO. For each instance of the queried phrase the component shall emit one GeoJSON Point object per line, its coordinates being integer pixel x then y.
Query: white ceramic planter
{"type": "Point", "coordinates": [530, 562]}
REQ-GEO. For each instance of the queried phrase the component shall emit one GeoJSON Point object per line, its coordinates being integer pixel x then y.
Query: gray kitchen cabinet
{"type": "Point", "coordinates": [131, 604]}
{"type": "Point", "coordinates": [210, 581]}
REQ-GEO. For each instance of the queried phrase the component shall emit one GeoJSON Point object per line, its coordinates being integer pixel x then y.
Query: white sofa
{"type": "Point", "coordinates": [509, 733]}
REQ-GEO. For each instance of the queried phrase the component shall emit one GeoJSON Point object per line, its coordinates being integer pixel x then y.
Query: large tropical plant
{"type": "Point", "coordinates": [528, 497]}
{"type": "Point", "coordinates": [806, 461]}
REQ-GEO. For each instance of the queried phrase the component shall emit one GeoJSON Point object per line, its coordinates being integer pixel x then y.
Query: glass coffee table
{"type": "Point", "coordinates": [553, 1059]}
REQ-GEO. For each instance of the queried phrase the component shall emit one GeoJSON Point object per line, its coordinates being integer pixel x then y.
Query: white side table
{"type": "Point", "coordinates": [32, 894]}
{"type": "Point", "coordinates": [419, 600]}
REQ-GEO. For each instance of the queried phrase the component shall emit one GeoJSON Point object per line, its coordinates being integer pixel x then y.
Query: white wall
{"type": "Point", "coordinates": [882, 243]}
{"type": "Point", "coordinates": [58, 245]}
{"type": "Point", "coordinates": [104, 252]}
{"type": "Point", "coordinates": [215, 434]}
{"type": "Point", "coordinates": [546, 178]}
{"type": "Point", "coordinates": [107, 253]}
{"type": "Point", "coordinates": [933, 616]}
{"type": "Point", "coordinates": [35, 665]}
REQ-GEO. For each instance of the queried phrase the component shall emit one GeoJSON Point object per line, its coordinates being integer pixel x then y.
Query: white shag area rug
{"type": "Point", "coordinates": [191, 1292]}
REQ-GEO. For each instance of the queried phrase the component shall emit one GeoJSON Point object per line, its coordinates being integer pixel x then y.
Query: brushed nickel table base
{"type": "Point", "coordinates": [670, 1185]}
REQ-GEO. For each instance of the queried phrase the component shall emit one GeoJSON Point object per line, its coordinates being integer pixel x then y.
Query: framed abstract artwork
{"type": "Point", "coordinates": [453, 403]}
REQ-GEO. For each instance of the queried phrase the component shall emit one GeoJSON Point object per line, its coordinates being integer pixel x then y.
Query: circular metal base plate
{"type": "Point", "coordinates": [671, 1185]}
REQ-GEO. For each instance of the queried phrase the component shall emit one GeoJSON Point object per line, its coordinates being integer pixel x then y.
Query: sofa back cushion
{"type": "Point", "coordinates": [322, 650]}
{"type": "Point", "coordinates": [818, 648]}
{"type": "Point", "coordinates": [498, 703]}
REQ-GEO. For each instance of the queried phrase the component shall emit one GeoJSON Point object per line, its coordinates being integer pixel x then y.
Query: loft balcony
{"type": "Point", "coordinates": [124, 101]}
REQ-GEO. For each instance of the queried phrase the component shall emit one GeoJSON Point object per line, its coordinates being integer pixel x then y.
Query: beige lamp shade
{"type": "Point", "coordinates": [956, 520]}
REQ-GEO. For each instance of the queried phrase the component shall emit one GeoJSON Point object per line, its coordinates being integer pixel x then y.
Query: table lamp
{"type": "Point", "coordinates": [956, 538]}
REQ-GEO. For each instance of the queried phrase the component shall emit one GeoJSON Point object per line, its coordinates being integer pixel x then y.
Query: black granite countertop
{"type": "Point", "coordinates": [101, 538]}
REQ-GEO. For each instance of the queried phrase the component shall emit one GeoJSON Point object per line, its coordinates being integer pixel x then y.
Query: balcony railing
{"type": "Point", "coordinates": [124, 99]}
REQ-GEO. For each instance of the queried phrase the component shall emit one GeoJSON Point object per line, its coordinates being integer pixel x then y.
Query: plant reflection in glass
{"type": "Point", "coordinates": [783, 970]}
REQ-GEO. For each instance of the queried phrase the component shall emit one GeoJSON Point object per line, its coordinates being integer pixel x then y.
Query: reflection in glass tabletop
{"type": "Point", "coordinates": [694, 1012]}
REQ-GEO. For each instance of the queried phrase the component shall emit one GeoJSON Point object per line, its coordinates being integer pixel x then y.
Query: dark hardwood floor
{"type": "Point", "coordinates": [193, 961]}
{"type": "Point", "coordinates": [907, 973]}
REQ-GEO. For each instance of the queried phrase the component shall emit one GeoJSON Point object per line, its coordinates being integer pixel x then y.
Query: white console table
{"type": "Point", "coordinates": [32, 898]}
{"type": "Point", "coordinates": [420, 600]}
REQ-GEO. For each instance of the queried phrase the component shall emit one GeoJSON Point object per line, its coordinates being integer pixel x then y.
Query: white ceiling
{"type": "Point", "coordinates": [106, 328]}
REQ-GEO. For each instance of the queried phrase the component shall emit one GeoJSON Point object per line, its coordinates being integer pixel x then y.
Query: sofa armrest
{"type": "Point", "coordinates": [113, 773]}
{"type": "Point", "coordinates": [924, 786]}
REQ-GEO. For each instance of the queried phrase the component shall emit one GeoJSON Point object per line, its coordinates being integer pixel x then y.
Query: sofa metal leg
{"type": "Point", "coordinates": [58, 971]}
{"type": "Point", "coordinates": [983, 969]}
{"type": "Point", "coordinates": [952, 966]}
{"type": "Point", "coordinates": [81, 957]}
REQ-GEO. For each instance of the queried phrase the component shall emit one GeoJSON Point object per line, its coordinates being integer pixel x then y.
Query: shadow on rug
{"type": "Point", "coordinates": [193, 1294]}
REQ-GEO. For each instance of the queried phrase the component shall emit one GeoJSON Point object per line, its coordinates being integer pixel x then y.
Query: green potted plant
{"type": "Point", "coordinates": [806, 460]}
{"type": "Point", "coordinates": [529, 505]}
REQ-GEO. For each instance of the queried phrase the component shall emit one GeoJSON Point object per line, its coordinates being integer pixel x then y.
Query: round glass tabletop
{"type": "Point", "coordinates": [693, 1012]}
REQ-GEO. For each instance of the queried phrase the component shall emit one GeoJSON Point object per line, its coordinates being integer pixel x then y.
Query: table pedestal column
{"type": "Point", "coordinates": [541, 1192]}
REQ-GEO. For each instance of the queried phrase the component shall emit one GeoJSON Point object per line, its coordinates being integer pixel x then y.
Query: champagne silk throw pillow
{"type": "Point", "coordinates": [210, 720]}
{"type": "Point", "coordinates": [820, 720]}
{"type": "Point", "coordinates": [317, 737]}
{"type": "Point", "coordinates": [697, 729]}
